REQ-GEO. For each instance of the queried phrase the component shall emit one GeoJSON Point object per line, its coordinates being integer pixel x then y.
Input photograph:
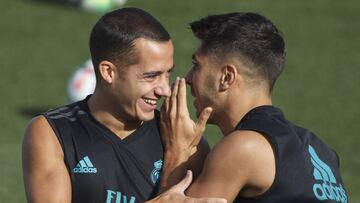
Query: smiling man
{"type": "Point", "coordinates": [263, 157]}
{"type": "Point", "coordinates": [107, 148]}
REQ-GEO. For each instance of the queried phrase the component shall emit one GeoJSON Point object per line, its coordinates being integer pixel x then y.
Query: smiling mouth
{"type": "Point", "coordinates": [150, 101]}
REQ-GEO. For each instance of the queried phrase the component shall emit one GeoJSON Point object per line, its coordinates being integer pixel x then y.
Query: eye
{"type": "Point", "coordinates": [151, 76]}
{"type": "Point", "coordinates": [194, 64]}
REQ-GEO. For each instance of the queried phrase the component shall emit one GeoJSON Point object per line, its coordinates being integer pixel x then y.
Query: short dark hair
{"type": "Point", "coordinates": [112, 38]}
{"type": "Point", "coordinates": [251, 37]}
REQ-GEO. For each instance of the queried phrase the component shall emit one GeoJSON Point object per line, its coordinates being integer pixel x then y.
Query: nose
{"type": "Point", "coordinates": [163, 89]}
{"type": "Point", "coordinates": [188, 77]}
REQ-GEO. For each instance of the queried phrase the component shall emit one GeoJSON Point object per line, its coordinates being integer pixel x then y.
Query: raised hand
{"type": "Point", "coordinates": [179, 133]}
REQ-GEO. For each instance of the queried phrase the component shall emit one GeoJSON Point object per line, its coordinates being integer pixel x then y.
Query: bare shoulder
{"type": "Point", "coordinates": [248, 148]}
{"type": "Point", "coordinates": [242, 145]}
{"type": "Point", "coordinates": [40, 144]}
{"type": "Point", "coordinates": [37, 124]}
{"type": "Point", "coordinates": [240, 163]}
{"type": "Point", "coordinates": [45, 174]}
{"type": "Point", "coordinates": [246, 157]}
{"type": "Point", "coordinates": [39, 134]}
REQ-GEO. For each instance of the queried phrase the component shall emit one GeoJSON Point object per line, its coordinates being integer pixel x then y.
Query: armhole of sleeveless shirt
{"type": "Point", "coordinates": [275, 148]}
{"type": "Point", "coordinates": [56, 132]}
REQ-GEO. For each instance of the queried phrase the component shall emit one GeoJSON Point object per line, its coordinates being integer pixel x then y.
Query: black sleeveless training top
{"type": "Point", "coordinates": [307, 170]}
{"type": "Point", "coordinates": [104, 168]}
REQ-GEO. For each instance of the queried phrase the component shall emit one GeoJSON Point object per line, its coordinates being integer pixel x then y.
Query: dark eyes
{"type": "Point", "coordinates": [151, 76]}
{"type": "Point", "coordinates": [154, 76]}
{"type": "Point", "coordinates": [194, 64]}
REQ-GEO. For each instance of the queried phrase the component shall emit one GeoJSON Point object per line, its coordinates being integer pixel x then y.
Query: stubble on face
{"type": "Point", "coordinates": [204, 82]}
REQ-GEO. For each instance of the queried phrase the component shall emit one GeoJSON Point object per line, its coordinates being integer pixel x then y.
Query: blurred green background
{"type": "Point", "coordinates": [42, 42]}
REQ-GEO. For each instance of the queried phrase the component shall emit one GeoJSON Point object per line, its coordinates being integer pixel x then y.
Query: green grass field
{"type": "Point", "coordinates": [42, 42]}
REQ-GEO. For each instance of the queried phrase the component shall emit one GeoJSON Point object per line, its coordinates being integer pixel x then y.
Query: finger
{"type": "Point", "coordinates": [201, 123]}
{"type": "Point", "coordinates": [206, 200]}
{"type": "Point", "coordinates": [203, 118]}
{"type": "Point", "coordinates": [173, 99]}
{"type": "Point", "coordinates": [164, 110]}
{"type": "Point", "coordinates": [165, 106]}
{"type": "Point", "coordinates": [181, 97]}
{"type": "Point", "coordinates": [183, 184]}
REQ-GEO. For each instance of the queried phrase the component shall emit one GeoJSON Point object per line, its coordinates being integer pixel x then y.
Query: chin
{"type": "Point", "coordinates": [146, 116]}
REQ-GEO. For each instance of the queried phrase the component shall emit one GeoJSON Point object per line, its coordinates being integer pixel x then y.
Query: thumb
{"type": "Point", "coordinates": [208, 200]}
{"type": "Point", "coordinates": [183, 184]}
{"type": "Point", "coordinates": [203, 118]}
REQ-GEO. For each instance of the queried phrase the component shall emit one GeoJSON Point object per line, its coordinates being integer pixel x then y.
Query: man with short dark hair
{"type": "Point", "coordinates": [107, 147]}
{"type": "Point", "coordinates": [262, 157]}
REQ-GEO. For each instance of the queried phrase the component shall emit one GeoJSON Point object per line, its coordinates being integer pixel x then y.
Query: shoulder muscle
{"type": "Point", "coordinates": [233, 164]}
{"type": "Point", "coordinates": [45, 175]}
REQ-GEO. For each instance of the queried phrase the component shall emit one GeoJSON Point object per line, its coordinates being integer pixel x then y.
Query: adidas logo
{"type": "Point", "coordinates": [327, 189]}
{"type": "Point", "coordinates": [85, 166]}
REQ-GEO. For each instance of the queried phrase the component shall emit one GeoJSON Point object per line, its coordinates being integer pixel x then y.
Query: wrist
{"type": "Point", "coordinates": [177, 156]}
{"type": "Point", "coordinates": [175, 165]}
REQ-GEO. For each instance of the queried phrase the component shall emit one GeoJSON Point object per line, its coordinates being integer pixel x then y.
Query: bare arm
{"type": "Point", "coordinates": [197, 160]}
{"type": "Point", "coordinates": [176, 194]}
{"type": "Point", "coordinates": [176, 165]}
{"type": "Point", "coordinates": [45, 175]}
{"type": "Point", "coordinates": [241, 163]}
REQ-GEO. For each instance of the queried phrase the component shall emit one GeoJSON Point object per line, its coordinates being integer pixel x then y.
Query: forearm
{"type": "Point", "coordinates": [177, 162]}
{"type": "Point", "coordinates": [176, 194]}
{"type": "Point", "coordinates": [174, 169]}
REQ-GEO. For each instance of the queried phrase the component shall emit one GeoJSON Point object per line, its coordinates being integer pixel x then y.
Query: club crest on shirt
{"type": "Point", "coordinates": [155, 173]}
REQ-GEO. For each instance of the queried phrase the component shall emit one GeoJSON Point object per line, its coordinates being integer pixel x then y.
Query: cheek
{"type": "Point", "coordinates": [202, 83]}
{"type": "Point", "coordinates": [208, 87]}
{"type": "Point", "coordinates": [197, 79]}
{"type": "Point", "coordinates": [145, 89]}
{"type": "Point", "coordinates": [131, 92]}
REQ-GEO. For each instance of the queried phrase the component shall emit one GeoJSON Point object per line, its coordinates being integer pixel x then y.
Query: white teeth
{"type": "Point", "coordinates": [150, 101]}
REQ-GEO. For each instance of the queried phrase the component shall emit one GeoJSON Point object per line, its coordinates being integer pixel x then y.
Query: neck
{"type": "Point", "coordinates": [108, 113]}
{"type": "Point", "coordinates": [236, 109]}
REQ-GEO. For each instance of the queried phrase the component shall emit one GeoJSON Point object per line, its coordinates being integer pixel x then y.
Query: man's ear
{"type": "Point", "coordinates": [229, 73]}
{"type": "Point", "coordinates": [107, 71]}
